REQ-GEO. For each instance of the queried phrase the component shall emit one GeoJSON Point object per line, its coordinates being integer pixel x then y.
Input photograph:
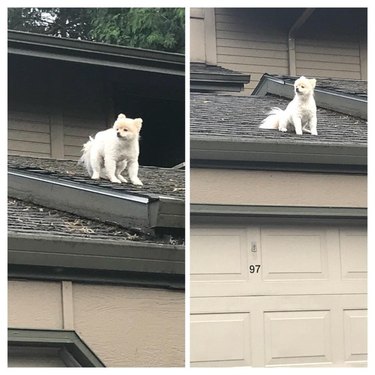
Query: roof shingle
{"type": "Point", "coordinates": [239, 117]}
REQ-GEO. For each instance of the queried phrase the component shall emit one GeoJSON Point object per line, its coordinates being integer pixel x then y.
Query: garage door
{"type": "Point", "coordinates": [278, 295]}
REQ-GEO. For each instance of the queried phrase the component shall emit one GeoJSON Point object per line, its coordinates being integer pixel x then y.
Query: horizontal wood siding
{"type": "Point", "coordinates": [29, 133]}
{"type": "Point", "coordinates": [249, 48]}
{"type": "Point", "coordinates": [253, 46]}
{"type": "Point", "coordinates": [328, 58]}
{"type": "Point", "coordinates": [77, 131]}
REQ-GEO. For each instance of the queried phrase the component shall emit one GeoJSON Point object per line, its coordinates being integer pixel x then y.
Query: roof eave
{"type": "Point", "coordinates": [226, 152]}
{"type": "Point", "coordinates": [42, 46]}
{"type": "Point", "coordinates": [58, 257]}
{"type": "Point", "coordinates": [220, 213]}
{"type": "Point", "coordinates": [215, 86]}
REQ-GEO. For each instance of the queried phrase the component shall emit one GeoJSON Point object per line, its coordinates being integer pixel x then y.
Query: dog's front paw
{"type": "Point", "coordinates": [122, 179]}
{"type": "Point", "coordinates": [283, 130]}
{"type": "Point", "coordinates": [115, 180]}
{"type": "Point", "coordinates": [136, 181]}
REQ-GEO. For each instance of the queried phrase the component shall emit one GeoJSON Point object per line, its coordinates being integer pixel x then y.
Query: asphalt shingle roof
{"type": "Point", "coordinates": [201, 68]}
{"type": "Point", "coordinates": [160, 181]}
{"type": "Point", "coordinates": [26, 217]}
{"type": "Point", "coordinates": [240, 117]}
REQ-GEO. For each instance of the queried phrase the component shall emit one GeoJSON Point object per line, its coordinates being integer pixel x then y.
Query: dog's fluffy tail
{"type": "Point", "coordinates": [85, 158]}
{"type": "Point", "coordinates": [272, 121]}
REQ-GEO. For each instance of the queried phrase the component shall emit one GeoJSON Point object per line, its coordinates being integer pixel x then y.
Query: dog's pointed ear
{"type": "Point", "coordinates": [138, 123]}
{"type": "Point", "coordinates": [313, 82]}
{"type": "Point", "coordinates": [120, 116]}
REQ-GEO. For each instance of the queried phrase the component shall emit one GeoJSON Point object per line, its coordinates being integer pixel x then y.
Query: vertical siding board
{"type": "Point", "coordinates": [67, 305]}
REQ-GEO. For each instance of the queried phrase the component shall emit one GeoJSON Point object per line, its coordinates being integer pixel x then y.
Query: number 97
{"type": "Point", "coordinates": [254, 268]}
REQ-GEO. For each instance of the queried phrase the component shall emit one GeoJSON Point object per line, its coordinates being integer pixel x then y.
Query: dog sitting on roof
{"type": "Point", "coordinates": [113, 150]}
{"type": "Point", "coordinates": [300, 114]}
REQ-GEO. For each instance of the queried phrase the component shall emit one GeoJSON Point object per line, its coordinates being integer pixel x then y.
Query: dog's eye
{"type": "Point", "coordinates": [125, 130]}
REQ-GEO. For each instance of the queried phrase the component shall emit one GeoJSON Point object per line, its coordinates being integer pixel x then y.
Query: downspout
{"type": "Point", "coordinates": [292, 42]}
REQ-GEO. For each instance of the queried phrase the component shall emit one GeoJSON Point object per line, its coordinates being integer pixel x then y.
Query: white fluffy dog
{"type": "Point", "coordinates": [300, 113]}
{"type": "Point", "coordinates": [112, 150]}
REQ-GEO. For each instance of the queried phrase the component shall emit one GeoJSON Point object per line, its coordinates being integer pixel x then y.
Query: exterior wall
{"type": "Point", "coordinates": [213, 186]}
{"type": "Point", "coordinates": [124, 326]}
{"type": "Point", "coordinates": [328, 58]}
{"type": "Point", "coordinates": [249, 46]}
{"type": "Point", "coordinates": [29, 132]}
{"type": "Point", "coordinates": [39, 133]}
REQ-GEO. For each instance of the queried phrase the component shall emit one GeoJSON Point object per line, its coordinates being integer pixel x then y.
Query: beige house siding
{"type": "Point", "coordinates": [29, 133]}
{"type": "Point", "coordinates": [232, 187]}
{"type": "Point", "coordinates": [41, 134]}
{"type": "Point", "coordinates": [77, 131]}
{"type": "Point", "coordinates": [249, 47]}
{"type": "Point", "coordinates": [328, 58]}
{"type": "Point", "coordinates": [124, 326]}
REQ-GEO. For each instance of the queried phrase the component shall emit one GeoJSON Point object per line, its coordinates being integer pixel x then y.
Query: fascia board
{"type": "Point", "coordinates": [56, 338]}
{"type": "Point", "coordinates": [95, 53]}
{"type": "Point", "coordinates": [238, 150]}
{"type": "Point", "coordinates": [98, 256]}
{"type": "Point", "coordinates": [215, 213]}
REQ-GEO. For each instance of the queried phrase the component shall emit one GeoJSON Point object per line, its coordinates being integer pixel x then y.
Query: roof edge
{"type": "Point", "coordinates": [125, 209]}
{"type": "Point", "coordinates": [339, 102]}
{"type": "Point", "coordinates": [58, 257]}
{"type": "Point", "coordinates": [201, 213]}
{"type": "Point", "coordinates": [45, 46]}
{"type": "Point", "coordinates": [82, 355]}
{"type": "Point", "coordinates": [222, 152]}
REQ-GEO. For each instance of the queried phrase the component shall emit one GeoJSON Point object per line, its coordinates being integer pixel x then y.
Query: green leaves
{"type": "Point", "coordinates": [151, 28]}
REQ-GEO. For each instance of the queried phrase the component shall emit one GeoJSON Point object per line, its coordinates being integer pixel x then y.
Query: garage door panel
{"type": "Point", "coordinates": [294, 254]}
{"type": "Point", "coordinates": [211, 334]}
{"type": "Point", "coordinates": [296, 337]}
{"type": "Point", "coordinates": [219, 254]}
{"type": "Point", "coordinates": [355, 336]}
{"type": "Point", "coordinates": [307, 331]}
{"type": "Point", "coordinates": [353, 251]}
{"type": "Point", "coordinates": [288, 259]}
